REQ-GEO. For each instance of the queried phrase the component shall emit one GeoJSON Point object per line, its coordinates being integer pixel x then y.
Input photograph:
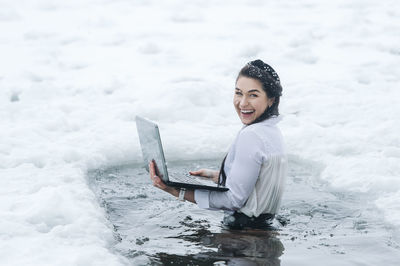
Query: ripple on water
{"type": "Point", "coordinates": [322, 224]}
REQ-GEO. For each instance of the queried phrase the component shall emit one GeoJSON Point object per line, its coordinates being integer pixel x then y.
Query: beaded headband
{"type": "Point", "coordinates": [267, 75]}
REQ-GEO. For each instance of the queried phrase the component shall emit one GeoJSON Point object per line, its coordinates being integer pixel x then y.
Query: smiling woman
{"type": "Point", "coordinates": [255, 167]}
{"type": "Point", "coordinates": [250, 99]}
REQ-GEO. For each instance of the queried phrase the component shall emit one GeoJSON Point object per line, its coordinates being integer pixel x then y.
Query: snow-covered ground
{"type": "Point", "coordinates": [73, 75]}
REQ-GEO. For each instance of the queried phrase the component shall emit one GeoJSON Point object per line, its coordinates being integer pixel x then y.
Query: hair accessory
{"type": "Point", "coordinates": [266, 75]}
{"type": "Point", "coordinates": [265, 67]}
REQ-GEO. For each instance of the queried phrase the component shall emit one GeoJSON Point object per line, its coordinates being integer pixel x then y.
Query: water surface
{"type": "Point", "coordinates": [318, 224]}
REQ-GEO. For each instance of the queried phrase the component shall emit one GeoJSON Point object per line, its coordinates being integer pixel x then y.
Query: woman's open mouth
{"type": "Point", "coordinates": [246, 113]}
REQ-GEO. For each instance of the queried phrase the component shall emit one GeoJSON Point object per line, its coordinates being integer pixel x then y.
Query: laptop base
{"type": "Point", "coordinates": [193, 186]}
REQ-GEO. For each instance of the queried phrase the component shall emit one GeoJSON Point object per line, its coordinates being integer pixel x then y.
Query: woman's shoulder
{"type": "Point", "coordinates": [265, 133]}
{"type": "Point", "coordinates": [263, 127]}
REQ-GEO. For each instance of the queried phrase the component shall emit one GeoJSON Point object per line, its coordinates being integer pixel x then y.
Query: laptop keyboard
{"type": "Point", "coordinates": [189, 179]}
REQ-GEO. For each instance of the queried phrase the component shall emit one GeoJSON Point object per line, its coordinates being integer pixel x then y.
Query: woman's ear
{"type": "Point", "coordinates": [271, 101]}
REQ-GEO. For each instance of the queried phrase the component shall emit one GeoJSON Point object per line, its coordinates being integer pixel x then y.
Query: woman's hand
{"type": "Point", "coordinates": [157, 181]}
{"type": "Point", "coordinates": [207, 173]}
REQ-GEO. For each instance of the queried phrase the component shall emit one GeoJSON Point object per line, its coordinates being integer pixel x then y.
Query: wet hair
{"type": "Point", "coordinates": [271, 84]}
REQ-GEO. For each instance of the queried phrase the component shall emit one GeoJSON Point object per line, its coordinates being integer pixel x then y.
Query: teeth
{"type": "Point", "coordinates": [247, 111]}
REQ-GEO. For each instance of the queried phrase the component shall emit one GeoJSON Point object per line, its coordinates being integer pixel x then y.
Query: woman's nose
{"type": "Point", "coordinates": [243, 102]}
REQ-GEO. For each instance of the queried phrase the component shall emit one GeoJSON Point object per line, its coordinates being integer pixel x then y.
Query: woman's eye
{"type": "Point", "coordinates": [253, 95]}
{"type": "Point", "coordinates": [238, 93]}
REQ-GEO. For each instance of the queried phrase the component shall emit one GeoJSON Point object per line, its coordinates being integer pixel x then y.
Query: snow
{"type": "Point", "coordinates": [74, 74]}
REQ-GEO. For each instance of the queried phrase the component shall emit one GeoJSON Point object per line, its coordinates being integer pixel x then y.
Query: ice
{"type": "Point", "coordinates": [73, 76]}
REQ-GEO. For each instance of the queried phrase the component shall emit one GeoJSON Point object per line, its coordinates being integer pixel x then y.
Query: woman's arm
{"type": "Point", "coordinates": [157, 182]}
{"type": "Point", "coordinates": [242, 177]}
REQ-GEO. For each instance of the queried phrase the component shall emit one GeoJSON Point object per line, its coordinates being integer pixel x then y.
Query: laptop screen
{"type": "Point", "coordinates": [150, 141]}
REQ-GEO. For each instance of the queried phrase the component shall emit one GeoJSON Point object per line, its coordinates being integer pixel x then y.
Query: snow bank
{"type": "Point", "coordinates": [73, 76]}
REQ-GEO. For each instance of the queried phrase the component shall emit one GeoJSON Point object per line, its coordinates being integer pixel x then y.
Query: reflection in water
{"type": "Point", "coordinates": [230, 247]}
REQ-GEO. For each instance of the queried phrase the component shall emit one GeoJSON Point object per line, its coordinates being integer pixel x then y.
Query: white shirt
{"type": "Point", "coordinates": [255, 168]}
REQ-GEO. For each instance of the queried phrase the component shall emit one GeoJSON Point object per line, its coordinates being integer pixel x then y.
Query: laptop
{"type": "Point", "coordinates": [150, 142]}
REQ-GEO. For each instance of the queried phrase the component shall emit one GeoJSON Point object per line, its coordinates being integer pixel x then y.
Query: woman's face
{"type": "Point", "coordinates": [250, 99]}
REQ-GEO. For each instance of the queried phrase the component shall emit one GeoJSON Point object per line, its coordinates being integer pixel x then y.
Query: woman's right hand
{"type": "Point", "coordinates": [158, 182]}
{"type": "Point", "coordinates": [207, 173]}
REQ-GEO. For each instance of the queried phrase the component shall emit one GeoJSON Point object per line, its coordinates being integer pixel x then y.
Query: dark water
{"type": "Point", "coordinates": [319, 225]}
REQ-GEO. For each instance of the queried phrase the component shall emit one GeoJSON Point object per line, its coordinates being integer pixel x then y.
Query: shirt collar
{"type": "Point", "coordinates": [273, 120]}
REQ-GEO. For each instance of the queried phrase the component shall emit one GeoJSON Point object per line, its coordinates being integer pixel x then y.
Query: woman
{"type": "Point", "coordinates": [254, 169]}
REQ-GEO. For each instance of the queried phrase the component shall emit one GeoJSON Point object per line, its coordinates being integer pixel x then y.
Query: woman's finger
{"type": "Point", "coordinates": [152, 171]}
{"type": "Point", "coordinates": [198, 172]}
{"type": "Point", "coordinates": [202, 172]}
{"type": "Point", "coordinates": [151, 168]}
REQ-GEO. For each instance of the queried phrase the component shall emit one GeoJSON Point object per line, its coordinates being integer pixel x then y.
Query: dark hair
{"type": "Point", "coordinates": [271, 84]}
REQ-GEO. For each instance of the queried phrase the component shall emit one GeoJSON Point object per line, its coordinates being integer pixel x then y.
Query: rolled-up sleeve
{"type": "Point", "coordinates": [242, 176]}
